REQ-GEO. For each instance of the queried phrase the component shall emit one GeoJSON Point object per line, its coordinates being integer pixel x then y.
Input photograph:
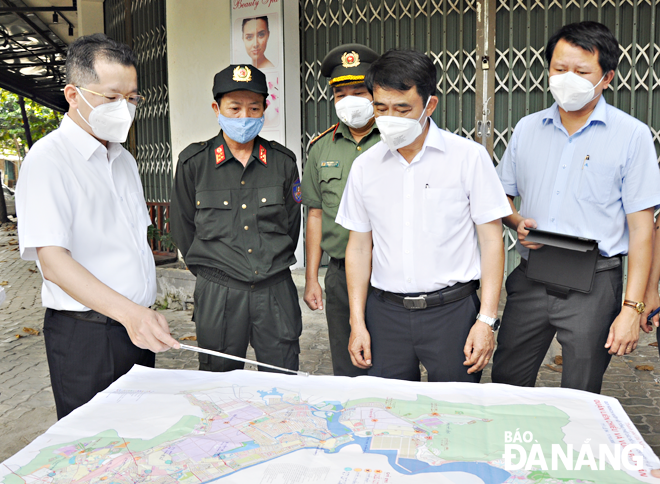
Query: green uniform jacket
{"type": "Point", "coordinates": [328, 163]}
{"type": "Point", "coordinates": [242, 220]}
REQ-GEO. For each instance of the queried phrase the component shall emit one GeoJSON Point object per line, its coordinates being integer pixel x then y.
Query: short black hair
{"type": "Point", "coordinates": [246, 20]}
{"type": "Point", "coordinates": [590, 36]}
{"type": "Point", "coordinates": [401, 69]}
{"type": "Point", "coordinates": [86, 50]}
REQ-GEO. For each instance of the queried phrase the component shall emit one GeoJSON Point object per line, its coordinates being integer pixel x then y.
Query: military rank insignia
{"type": "Point", "coordinates": [242, 74]}
{"type": "Point", "coordinates": [296, 190]}
{"type": "Point", "coordinates": [350, 59]}
{"type": "Point", "coordinates": [262, 154]}
{"type": "Point", "coordinates": [219, 154]}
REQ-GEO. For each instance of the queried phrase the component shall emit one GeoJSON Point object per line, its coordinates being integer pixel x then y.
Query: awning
{"type": "Point", "coordinates": [33, 40]}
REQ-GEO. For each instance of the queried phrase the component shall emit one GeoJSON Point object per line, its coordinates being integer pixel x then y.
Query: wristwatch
{"type": "Point", "coordinates": [637, 306]}
{"type": "Point", "coordinates": [494, 323]}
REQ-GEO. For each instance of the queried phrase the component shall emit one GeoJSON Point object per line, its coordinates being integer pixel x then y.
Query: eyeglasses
{"type": "Point", "coordinates": [114, 97]}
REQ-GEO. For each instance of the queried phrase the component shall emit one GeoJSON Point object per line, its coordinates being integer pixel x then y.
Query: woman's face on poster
{"type": "Point", "coordinates": [255, 38]}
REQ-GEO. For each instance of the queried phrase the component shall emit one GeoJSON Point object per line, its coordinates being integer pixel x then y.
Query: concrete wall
{"type": "Point", "coordinates": [198, 46]}
{"type": "Point", "coordinates": [90, 19]}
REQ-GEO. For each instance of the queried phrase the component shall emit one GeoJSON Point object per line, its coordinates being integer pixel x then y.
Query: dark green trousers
{"type": "Point", "coordinates": [227, 319]}
{"type": "Point", "coordinates": [337, 314]}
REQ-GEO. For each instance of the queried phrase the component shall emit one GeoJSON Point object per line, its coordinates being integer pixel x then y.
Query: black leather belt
{"type": "Point", "coordinates": [448, 295]}
{"type": "Point", "coordinates": [340, 263]}
{"type": "Point", "coordinates": [88, 316]}
{"type": "Point", "coordinates": [221, 277]}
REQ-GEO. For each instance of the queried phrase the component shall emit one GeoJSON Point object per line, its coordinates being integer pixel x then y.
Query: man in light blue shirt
{"type": "Point", "coordinates": [581, 168]}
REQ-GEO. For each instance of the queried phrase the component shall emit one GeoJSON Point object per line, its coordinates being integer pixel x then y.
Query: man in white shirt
{"type": "Point", "coordinates": [83, 218]}
{"type": "Point", "coordinates": [417, 203]}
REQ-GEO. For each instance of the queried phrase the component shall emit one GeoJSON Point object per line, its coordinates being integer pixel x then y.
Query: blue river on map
{"type": "Point", "coordinates": [487, 473]}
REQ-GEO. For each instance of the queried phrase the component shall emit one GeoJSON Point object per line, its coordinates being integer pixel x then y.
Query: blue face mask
{"type": "Point", "coordinates": [241, 130]}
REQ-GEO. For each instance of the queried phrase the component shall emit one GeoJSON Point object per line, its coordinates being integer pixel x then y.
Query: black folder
{"type": "Point", "coordinates": [564, 263]}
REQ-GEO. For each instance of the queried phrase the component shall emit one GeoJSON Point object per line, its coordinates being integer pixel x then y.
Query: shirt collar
{"type": "Point", "coordinates": [343, 130]}
{"type": "Point", "coordinates": [599, 114]}
{"type": "Point", "coordinates": [222, 152]}
{"type": "Point", "coordinates": [84, 142]}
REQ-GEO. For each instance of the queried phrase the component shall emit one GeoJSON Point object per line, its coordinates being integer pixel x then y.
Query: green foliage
{"type": "Point", "coordinates": [165, 239]}
{"type": "Point", "coordinates": [42, 121]}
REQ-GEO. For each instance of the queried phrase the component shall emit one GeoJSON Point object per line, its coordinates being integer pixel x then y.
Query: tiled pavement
{"type": "Point", "coordinates": [26, 400]}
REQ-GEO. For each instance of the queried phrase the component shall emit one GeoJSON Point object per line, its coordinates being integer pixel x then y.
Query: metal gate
{"type": "Point", "coordinates": [487, 78]}
{"type": "Point", "coordinates": [145, 32]}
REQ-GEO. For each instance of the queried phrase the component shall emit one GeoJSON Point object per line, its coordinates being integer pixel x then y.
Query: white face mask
{"type": "Point", "coordinates": [397, 132]}
{"type": "Point", "coordinates": [110, 121]}
{"type": "Point", "coordinates": [571, 91]}
{"type": "Point", "coordinates": [355, 111]}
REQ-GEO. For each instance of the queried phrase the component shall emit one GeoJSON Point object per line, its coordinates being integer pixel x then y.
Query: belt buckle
{"type": "Point", "coordinates": [417, 302]}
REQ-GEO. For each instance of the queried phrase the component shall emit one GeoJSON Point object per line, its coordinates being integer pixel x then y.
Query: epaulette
{"type": "Point", "coordinates": [331, 128]}
{"type": "Point", "coordinates": [191, 150]}
{"type": "Point", "coordinates": [283, 149]}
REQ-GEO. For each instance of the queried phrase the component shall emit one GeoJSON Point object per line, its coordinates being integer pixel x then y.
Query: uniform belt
{"type": "Point", "coordinates": [602, 264]}
{"type": "Point", "coordinates": [90, 316]}
{"type": "Point", "coordinates": [221, 277]}
{"type": "Point", "coordinates": [448, 295]}
{"type": "Point", "coordinates": [340, 263]}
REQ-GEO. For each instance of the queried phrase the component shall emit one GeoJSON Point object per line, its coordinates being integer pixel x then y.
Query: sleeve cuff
{"type": "Point", "coordinates": [29, 247]}
{"type": "Point", "coordinates": [494, 214]}
{"type": "Point", "coordinates": [352, 225]}
{"type": "Point", "coordinates": [638, 206]}
{"type": "Point", "coordinates": [311, 203]}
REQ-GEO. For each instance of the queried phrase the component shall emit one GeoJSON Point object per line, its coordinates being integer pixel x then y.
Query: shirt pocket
{"type": "Point", "coordinates": [213, 219]}
{"type": "Point", "coordinates": [596, 183]}
{"type": "Point", "coordinates": [140, 211]}
{"type": "Point", "coordinates": [441, 209]}
{"type": "Point", "coordinates": [331, 183]}
{"type": "Point", "coordinates": [271, 214]}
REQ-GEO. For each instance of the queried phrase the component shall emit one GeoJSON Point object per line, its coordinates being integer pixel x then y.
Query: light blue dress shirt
{"type": "Point", "coordinates": [584, 184]}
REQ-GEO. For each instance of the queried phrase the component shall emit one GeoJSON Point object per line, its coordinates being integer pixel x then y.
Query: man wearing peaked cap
{"type": "Point", "coordinates": [235, 217]}
{"type": "Point", "coordinates": [326, 171]}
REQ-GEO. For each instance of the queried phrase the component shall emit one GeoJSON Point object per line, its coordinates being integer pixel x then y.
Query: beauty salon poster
{"type": "Point", "coordinates": [257, 40]}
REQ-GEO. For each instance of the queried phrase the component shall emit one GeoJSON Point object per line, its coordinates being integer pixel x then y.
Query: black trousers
{"type": "Point", "coordinates": [227, 319]}
{"type": "Point", "coordinates": [581, 321]}
{"type": "Point", "coordinates": [401, 339]}
{"type": "Point", "coordinates": [84, 358]}
{"type": "Point", "coordinates": [337, 313]}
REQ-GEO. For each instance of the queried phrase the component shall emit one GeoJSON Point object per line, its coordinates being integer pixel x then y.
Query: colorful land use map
{"type": "Point", "coordinates": [176, 426]}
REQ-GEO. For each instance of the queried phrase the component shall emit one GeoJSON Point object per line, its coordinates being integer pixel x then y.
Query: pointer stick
{"type": "Point", "coordinates": [237, 358]}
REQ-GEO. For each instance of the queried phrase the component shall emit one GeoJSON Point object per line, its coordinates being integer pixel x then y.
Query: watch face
{"type": "Point", "coordinates": [496, 325]}
{"type": "Point", "coordinates": [640, 307]}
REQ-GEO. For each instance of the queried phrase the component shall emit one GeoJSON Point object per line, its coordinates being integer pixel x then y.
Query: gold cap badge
{"type": "Point", "coordinates": [350, 59]}
{"type": "Point", "coordinates": [242, 74]}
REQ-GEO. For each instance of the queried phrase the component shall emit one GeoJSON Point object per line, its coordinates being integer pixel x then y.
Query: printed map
{"type": "Point", "coordinates": [175, 426]}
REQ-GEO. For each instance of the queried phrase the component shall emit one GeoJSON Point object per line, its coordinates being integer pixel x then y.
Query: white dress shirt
{"type": "Point", "coordinates": [74, 193]}
{"type": "Point", "coordinates": [422, 214]}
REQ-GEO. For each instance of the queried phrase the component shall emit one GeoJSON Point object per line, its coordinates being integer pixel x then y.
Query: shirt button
{"type": "Point", "coordinates": [359, 148]}
{"type": "Point", "coordinates": [243, 206]}
{"type": "Point", "coordinates": [557, 192]}
{"type": "Point", "coordinates": [408, 196]}
{"type": "Point", "coordinates": [263, 200]}
{"type": "Point", "coordinates": [552, 219]}
{"type": "Point", "coordinates": [242, 182]}
{"type": "Point", "coordinates": [407, 224]}
{"type": "Point", "coordinates": [409, 280]}
{"type": "Point", "coordinates": [246, 227]}
{"type": "Point", "coordinates": [249, 251]}
{"type": "Point", "coordinates": [226, 202]}
{"type": "Point", "coordinates": [407, 251]}
{"type": "Point", "coordinates": [252, 286]}
{"type": "Point", "coordinates": [256, 272]}
{"type": "Point", "coordinates": [198, 202]}
{"type": "Point", "coordinates": [564, 167]}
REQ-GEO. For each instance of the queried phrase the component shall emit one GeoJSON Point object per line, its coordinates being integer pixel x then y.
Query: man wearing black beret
{"type": "Point", "coordinates": [235, 217]}
{"type": "Point", "coordinates": [331, 155]}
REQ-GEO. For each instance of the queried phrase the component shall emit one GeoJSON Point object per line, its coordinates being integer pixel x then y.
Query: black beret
{"type": "Point", "coordinates": [347, 64]}
{"type": "Point", "coordinates": [239, 78]}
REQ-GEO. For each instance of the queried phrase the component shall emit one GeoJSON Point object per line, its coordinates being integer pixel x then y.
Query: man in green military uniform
{"type": "Point", "coordinates": [235, 217]}
{"type": "Point", "coordinates": [326, 171]}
